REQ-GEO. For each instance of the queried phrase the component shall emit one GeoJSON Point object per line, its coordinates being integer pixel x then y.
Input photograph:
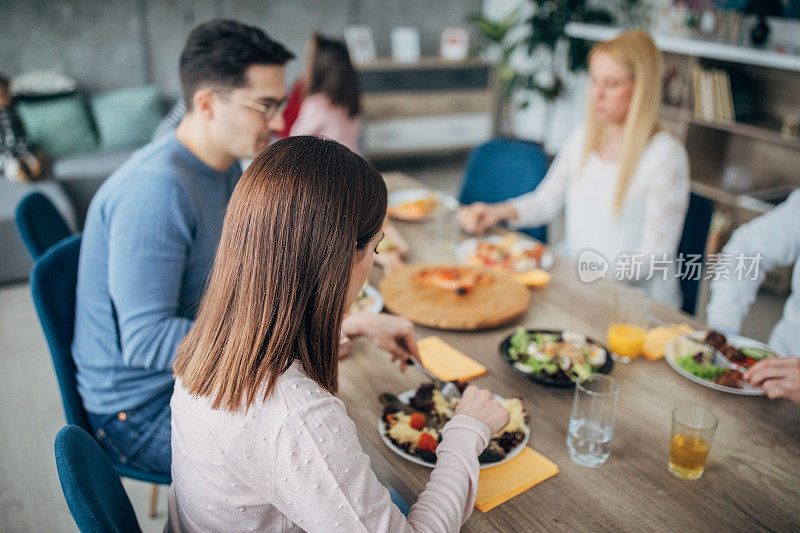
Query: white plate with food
{"type": "Point", "coordinates": [369, 301]}
{"type": "Point", "coordinates": [418, 205]}
{"type": "Point", "coordinates": [403, 432]}
{"type": "Point", "coordinates": [690, 356]}
{"type": "Point", "coordinates": [508, 253]}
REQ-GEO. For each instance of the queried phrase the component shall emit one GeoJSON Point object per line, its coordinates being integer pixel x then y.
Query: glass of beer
{"type": "Point", "coordinates": [692, 432]}
{"type": "Point", "coordinates": [627, 324]}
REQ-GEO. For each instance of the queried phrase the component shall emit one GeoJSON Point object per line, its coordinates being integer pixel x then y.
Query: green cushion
{"type": "Point", "coordinates": [60, 126]}
{"type": "Point", "coordinates": [126, 116]}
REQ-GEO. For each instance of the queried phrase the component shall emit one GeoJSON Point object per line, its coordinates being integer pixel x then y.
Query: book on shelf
{"type": "Point", "coordinates": [713, 99]}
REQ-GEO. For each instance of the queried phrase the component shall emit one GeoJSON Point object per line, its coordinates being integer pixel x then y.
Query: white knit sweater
{"type": "Point", "coordinates": [294, 462]}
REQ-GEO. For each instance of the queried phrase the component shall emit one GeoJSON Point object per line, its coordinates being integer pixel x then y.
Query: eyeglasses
{"type": "Point", "coordinates": [268, 111]}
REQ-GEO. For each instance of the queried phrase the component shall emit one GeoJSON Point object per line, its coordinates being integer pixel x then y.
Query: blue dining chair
{"type": "Point", "coordinates": [693, 242]}
{"type": "Point", "coordinates": [39, 224]}
{"type": "Point", "coordinates": [504, 168]}
{"type": "Point", "coordinates": [53, 282]}
{"type": "Point", "coordinates": [95, 496]}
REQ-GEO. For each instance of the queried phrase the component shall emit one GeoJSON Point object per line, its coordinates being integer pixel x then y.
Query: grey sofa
{"type": "Point", "coordinates": [75, 179]}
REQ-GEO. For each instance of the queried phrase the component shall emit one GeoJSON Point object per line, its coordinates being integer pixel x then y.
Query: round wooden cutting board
{"type": "Point", "coordinates": [489, 304]}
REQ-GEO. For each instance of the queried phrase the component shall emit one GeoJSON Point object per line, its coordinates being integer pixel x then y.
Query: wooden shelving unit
{"type": "Point", "coordinates": [765, 130]}
{"type": "Point", "coordinates": [428, 107]}
{"type": "Point", "coordinates": [743, 55]}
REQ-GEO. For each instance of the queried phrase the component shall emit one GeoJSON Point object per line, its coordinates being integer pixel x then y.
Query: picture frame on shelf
{"type": "Point", "coordinates": [454, 44]}
{"type": "Point", "coordinates": [405, 44]}
{"type": "Point", "coordinates": [360, 44]}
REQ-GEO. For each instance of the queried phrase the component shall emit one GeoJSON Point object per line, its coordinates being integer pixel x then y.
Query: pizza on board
{"type": "Point", "coordinates": [456, 297]}
{"type": "Point", "coordinates": [452, 278]}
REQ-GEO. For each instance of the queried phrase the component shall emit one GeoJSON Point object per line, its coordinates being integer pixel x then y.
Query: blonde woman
{"type": "Point", "coordinates": [259, 441]}
{"type": "Point", "coordinates": [623, 182]}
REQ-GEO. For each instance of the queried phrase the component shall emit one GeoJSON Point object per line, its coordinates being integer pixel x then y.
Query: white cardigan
{"type": "Point", "coordinates": [293, 462]}
{"type": "Point", "coordinates": [652, 216]}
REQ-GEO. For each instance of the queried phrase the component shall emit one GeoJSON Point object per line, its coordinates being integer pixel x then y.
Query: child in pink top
{"type": "Point", "coordinates": [259, 441]}
{"type": "Point", "coordinates": [332, 105]}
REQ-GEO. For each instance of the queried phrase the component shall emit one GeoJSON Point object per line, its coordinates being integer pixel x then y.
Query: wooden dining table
{"type": "Point", "coordinates": [752, 476]}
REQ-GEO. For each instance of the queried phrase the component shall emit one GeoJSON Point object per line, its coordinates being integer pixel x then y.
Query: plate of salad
{"type": "Point", "coordinates": [555, 357]}
{"type": "Point", "coordinates": [691, 357]}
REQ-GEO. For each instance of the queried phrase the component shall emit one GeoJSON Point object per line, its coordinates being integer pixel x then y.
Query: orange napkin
{"type": "Point", "coordinates": [503, 482]}
{"type": "Point", "coordinates": [447, 362]}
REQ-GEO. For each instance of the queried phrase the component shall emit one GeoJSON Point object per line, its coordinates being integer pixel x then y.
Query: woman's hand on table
{"type": "Point", "coordinates": [479, 216]}
{"type": "Point", "coordinates": [482, 405]}
{"type": "Point", "coordinates": [390, 333]}
{"type": "Point", "coordinates": [778, 376]}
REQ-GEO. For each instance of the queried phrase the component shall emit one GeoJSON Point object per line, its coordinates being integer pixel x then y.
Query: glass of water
{"type": "Point", "coordinates": [591, 424]}
{"type": "Point", "coordinates": [445, 228]}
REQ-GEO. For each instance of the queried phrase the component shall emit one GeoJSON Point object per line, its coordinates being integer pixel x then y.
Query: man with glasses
{"type": "Point", "coordinates": [151, 234]}
{"type": "Point", "coordinates": [152, 231]}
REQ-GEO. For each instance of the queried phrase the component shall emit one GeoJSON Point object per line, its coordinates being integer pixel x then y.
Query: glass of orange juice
{"type": "Point", "coordinates": [692, 432]}
{"type": "Point", "coordinates": [627, 324]}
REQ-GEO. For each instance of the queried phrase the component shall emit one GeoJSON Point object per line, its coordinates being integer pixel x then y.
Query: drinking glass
{"type": "Point", "coordinates": [627, 324]}
{"type": "Point", "coordinates": [591, 424]}
{"type": "Point", "coordinates": [445, 228]}
{"type": "Point", "coordinates": [692, 432]}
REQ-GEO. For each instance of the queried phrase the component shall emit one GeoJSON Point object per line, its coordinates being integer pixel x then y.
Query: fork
{"type": "Point", "coordinates": [448, 389]}
{"type": "Point", "coordinates": [720, 359]}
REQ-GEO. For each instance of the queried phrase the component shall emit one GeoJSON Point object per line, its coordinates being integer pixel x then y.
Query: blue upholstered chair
{"type": "Point", "coordinates": [504, 168]}
{"type": "Point", "coordinates": [693, 242]}
{"type": "Point", "coordinates": [53, 282]}
{"type": "Point", "coordinates": [91, 486]}
{"type": "Point", "coordinates": [40, 225]}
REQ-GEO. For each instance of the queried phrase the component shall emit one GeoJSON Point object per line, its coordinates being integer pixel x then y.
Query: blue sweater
{"type": "Point", "coordinates": [148, 246]}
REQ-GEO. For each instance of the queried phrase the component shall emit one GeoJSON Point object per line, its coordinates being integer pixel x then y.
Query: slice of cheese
{"type": "Point", "coordinates": [657, 338]}
{"type": "Point", "coordinates": [537, 278]}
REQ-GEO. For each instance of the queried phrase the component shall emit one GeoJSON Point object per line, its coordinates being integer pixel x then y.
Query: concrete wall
{"type": "Point", "coordinates": [107, 44]}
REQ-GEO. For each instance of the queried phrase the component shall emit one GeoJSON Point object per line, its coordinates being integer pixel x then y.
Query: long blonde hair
{"type": "Point", "coordinates": [637, 53]}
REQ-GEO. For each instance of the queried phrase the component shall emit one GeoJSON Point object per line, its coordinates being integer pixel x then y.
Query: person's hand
{"type": "Point", "coordinates": [478, 217]}
{"type": "Point", "coordinates": [482, 405]}
{"type": "Point", "coordinates": [393, 334]}
{"type": "Point", "coordinates": [778, 376]}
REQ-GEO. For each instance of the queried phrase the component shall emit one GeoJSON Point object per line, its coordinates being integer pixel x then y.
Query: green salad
{"type": "Point", "coordinates": [703, 370]}
{"type": "Point", "coordinates": [567, 355]}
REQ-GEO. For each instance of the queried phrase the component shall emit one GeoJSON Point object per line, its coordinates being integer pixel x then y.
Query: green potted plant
{"type": "Point", "coordinates": [538, 36]}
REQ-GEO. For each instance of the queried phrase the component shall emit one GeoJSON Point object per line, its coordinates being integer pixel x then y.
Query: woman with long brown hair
{"type": "Point", "coordinates": [332, 105]}
{"type": "Point", "coordinates": [259, 441]}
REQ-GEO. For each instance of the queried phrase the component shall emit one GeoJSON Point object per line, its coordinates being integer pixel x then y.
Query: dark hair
{"type": "Point", "coordinates": [5, 83]}
{"type": "Point", "coordinates": [281, 275]}
{"type": "Point", "coordinates": [330, 71]}
{"type": "Point", "coordinates": [219, 52]}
